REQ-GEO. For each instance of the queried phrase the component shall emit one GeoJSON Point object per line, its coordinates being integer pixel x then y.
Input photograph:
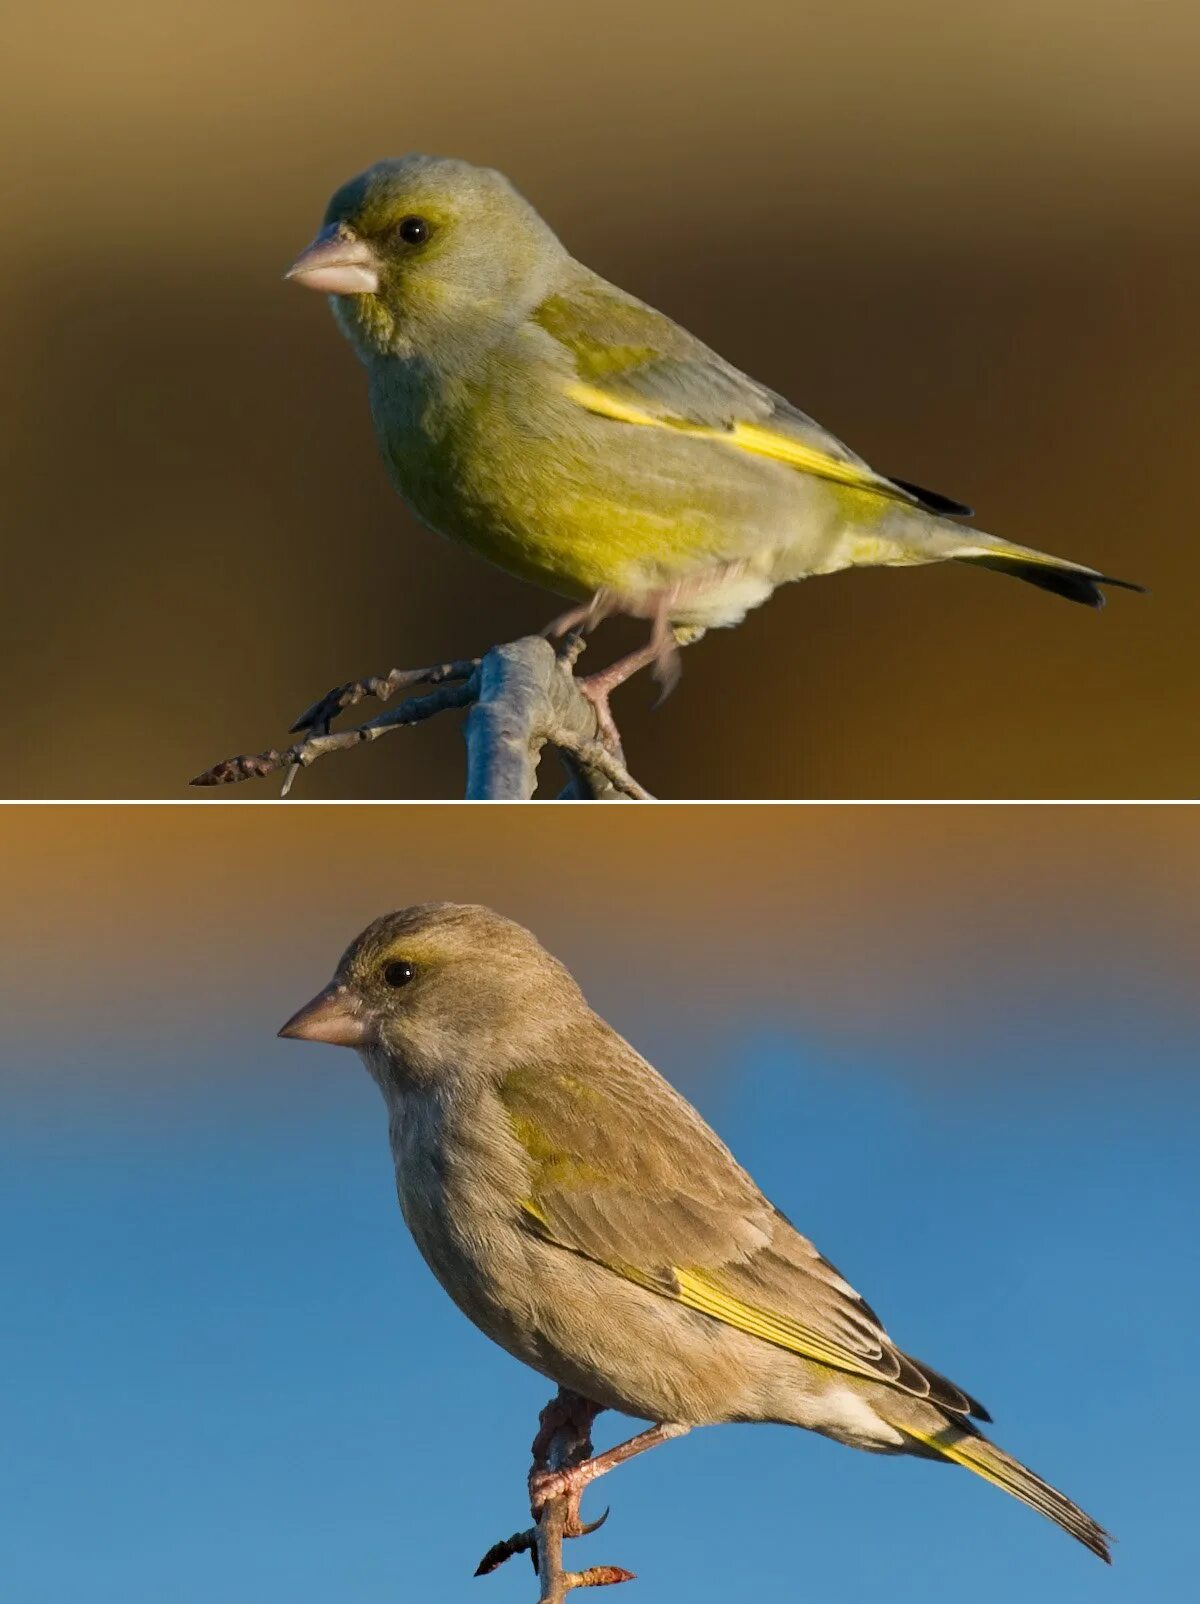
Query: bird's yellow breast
{"type": "Point", "coordinates": [511, 467]}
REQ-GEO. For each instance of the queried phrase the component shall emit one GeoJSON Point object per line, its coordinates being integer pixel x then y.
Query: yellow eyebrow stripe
{"type": "Point", "coordinates": [749, 437]}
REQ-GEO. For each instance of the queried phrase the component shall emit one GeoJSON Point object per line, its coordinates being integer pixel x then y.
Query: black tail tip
{"type": "Point", "coordinates": [1066, 582]}
{"type": "Point", "coordinates": [1100, 1541]}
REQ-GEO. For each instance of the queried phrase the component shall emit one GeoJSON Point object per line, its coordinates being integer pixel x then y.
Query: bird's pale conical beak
{"type": "Point", "coordinates": [337, 263]}
{"type": "Point", "coordinates": [333, 1016]}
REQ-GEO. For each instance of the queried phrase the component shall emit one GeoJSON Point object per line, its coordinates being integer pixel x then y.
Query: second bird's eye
{"type": "Point", "coordinates": [413, 230]}
{"type": "Point", "coordinates": [398, 973]}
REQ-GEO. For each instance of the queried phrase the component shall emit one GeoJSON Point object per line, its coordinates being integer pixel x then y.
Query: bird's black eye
{"type": "Point", "coordinates": [413, 230]}
{"type": "Point", "coordinates": [398, 973]}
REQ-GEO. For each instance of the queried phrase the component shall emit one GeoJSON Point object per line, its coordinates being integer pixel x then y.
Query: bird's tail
{"type": "Point", "coordinates": [906, 534]}
{"type": "Point", "coordinates": [963, 1445]}
{"type": "Point", "coordinates": [1072, 580]}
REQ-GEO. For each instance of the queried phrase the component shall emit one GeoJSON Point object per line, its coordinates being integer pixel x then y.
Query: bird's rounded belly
{"type": "Point", "coordinates": [573, 513]}
{"type": "Point", "coordinates": [591, 1330]}
{"type": "Point", "coordinates": [553, 529]}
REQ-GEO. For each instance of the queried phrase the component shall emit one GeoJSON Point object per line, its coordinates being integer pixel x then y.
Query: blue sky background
{"type": "Point", "coordinates": [230, 1380]}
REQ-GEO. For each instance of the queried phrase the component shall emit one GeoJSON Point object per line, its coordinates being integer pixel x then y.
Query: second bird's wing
{"type": "Point", "coordinates": [634, 366]}
{"type": "Point", "coordinates": [625, 1172]}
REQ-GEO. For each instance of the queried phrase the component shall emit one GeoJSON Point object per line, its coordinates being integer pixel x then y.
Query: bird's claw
{"type": "Point", "coordinates": [576, 1527]}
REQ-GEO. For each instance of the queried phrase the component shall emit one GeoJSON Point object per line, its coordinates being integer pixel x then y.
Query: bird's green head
{"type": "Point", "coordinates": [425, 249]}
{"type": "Point", "coordinates": [440, 989]}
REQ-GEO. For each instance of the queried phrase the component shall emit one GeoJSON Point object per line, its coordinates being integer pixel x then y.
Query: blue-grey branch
{"type": "Point", "coordinates": [521, 698]}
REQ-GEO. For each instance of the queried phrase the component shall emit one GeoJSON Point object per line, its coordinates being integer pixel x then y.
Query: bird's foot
{"type": "Point", "coordinates": [595, 690]}
{"type": "Point", "coordinates": [567, 1414]}
{"type": "Point", "coordinates": [569, 1481]}
{"type": "Point", "coordinates": [565, 1423]}
{"type": "Point", "coordinates": [661, 652]}
{"type": "Point", "coordinates": [598, 688]}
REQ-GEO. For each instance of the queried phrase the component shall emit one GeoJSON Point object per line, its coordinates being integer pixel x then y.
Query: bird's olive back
{"type": "Point", "coordinates": [454, 244]}
{"type": "Point", "coordinates": [455, 988]}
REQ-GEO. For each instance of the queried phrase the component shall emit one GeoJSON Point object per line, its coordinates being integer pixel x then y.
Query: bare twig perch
{"type": "Point", "coordinates": [563, 1439]}
{"type": "Point", "coordinates": [521, 698]}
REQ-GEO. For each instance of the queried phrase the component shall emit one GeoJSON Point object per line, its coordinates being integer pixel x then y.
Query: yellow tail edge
{"type": "Point", "coordinates": [982, 1457]}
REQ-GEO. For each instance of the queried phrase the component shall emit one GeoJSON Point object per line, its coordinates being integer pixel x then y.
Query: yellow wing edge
{"type": "Point", "coordinates": [749, 437]}
{"type": "Point", "coordinates": [697, 1290]}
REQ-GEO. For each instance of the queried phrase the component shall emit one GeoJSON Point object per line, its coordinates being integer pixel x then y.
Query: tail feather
{"type": "Point", "coordinates": [963, 1446]}
{"type": "Point", "coordinates": [1047, 573]}
{"type": "Point", "coordinates": [912, 534]}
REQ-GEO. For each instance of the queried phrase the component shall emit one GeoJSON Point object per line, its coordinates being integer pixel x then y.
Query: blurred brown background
{"type": "Point", "coordinates": [965, 238]}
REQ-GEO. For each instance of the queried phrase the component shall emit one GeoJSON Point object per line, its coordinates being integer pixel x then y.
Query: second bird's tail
{"type": "Point", "coordinates": [963, 1445]}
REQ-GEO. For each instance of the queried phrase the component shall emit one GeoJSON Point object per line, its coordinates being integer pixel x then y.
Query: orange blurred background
{"type": "Point", "coordinates": [969, 943]}
{"type": "Point", "coordinates": [965, 238]}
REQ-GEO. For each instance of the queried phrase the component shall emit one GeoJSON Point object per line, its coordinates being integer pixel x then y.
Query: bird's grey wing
{"type": "Point", "coordinates": [625, 1172]}
{"type": "Point", "coordinates": [634, 366]}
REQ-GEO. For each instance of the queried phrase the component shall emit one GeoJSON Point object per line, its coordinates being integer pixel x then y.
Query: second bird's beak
{"type": "Point", "coordinates": [333, 1016]}
{"type": "Point", "coordinates": [337, 263]}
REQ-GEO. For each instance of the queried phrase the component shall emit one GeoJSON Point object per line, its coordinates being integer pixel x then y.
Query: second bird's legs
{"type": "Point", "coordinates": [567, 1417]}
{"type": "Point", "coordinates": [570, 1480]}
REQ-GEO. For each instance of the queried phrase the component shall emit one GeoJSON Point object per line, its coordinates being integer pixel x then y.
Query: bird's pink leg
{"type": "Point", "coordinates": [599, 686]}
{"type": "Point", "coordinates": [571, 1413]}
{"type": "Point", "coordinates": [662, 649]}
{"type": "Point", "coordinates": [572, 1479]}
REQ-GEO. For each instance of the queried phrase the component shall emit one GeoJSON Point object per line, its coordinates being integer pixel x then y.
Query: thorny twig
{"type": "Point", "coordinates": [522, 697]}
{"type": "Point", "coordinates": [563, 1439]}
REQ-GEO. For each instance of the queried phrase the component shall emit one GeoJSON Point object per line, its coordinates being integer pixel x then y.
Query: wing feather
{"type": "Point", "coordinates": [632, 365]}
{"type": "Point", "coordinates": [624, 1171]}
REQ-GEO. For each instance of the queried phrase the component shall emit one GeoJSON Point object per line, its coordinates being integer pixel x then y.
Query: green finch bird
{"type": "Point", "coordinates": [584, 1216]}
{"type": "Point", "coordinates": [583, 441]}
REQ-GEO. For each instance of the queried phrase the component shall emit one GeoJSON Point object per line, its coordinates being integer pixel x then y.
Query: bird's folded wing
{"type": "Point", "coordinates": [625, 1172]}
{"type": "Point", "coordinates": [635, 366]}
